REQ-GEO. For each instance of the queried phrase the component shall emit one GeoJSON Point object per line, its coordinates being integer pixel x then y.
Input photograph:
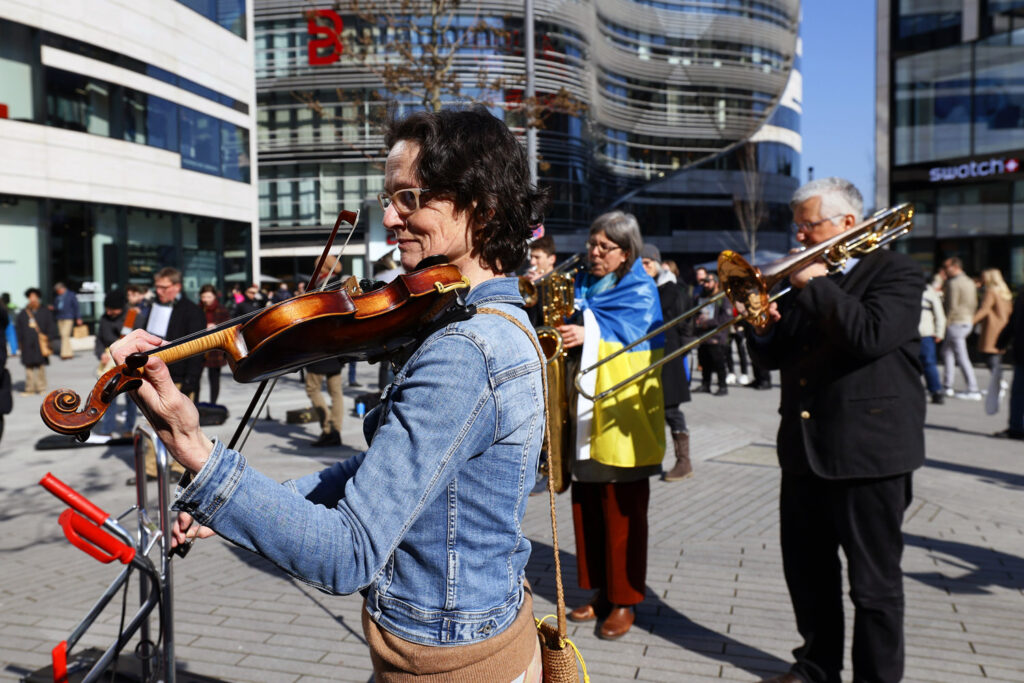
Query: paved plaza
{"type": "Point", "coordinates": [717, 604]}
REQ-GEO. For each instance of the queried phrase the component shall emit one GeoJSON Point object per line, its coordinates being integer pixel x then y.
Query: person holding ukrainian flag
{"type": "Point", "coordinates": [620, 440]}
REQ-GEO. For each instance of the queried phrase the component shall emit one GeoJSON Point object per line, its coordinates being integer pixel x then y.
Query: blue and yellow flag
{"type": "Point", "coordinates": [627, 428]}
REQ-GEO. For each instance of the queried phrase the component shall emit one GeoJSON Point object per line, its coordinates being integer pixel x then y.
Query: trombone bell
{"type": "Point", "coordinates": [746, 288]}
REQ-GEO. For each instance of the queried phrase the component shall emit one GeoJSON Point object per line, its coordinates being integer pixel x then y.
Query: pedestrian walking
{"type": "Point", "coordinates": [36, 329]}
{"type": "Point", "coordinates": [931, 328]}
{"type": "Point", "coordinates": [65, 306]}
{"type": "Point", "coordinates": [990, 319]}
{"type": "Point", "coordinates": [961, 300]}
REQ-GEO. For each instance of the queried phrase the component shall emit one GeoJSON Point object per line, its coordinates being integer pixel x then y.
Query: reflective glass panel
{"type": "Point", "coordinates": [16, 59]}
{"type": "Point", "coordinates": [998, 95]}
{"type": "Point", "coordinates": [933, 105]}
{"type": "Point", "coordinates": [200, 142]}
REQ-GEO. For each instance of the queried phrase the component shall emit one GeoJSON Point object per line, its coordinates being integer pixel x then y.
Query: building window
{"type": "Point", "coordinates": [229, 14]}
{"type": "Point", "coordinates": [917, 18]}
{"type": "Point", "coordinates": [973, 210]}
{"type": "Point", "coordinates": [77, 102]}
{"type": "Point", "coordinates": [999, 93]}
{"type": "Point", "coordinates": [17, 55]}
{"type": "Point", "coordinates": [933, 106]}
{"type": "Point", "coordinates": [200, 142]}
{"type": "Point", "coordinates": [234, 152]}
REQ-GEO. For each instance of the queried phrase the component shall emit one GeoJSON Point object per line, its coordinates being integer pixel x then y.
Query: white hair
{"type": "Point", "coordinates": [838, 198]}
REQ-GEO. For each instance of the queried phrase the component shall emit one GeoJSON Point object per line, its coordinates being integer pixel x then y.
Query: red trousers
{"type": "Point", "coordinates": [610, 521]}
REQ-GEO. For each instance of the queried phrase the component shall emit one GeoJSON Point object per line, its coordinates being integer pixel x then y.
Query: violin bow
{"type": "Point", "coordinates": [262, 392]}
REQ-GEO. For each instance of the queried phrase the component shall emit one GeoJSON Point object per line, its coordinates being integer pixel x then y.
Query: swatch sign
{"type": "Point", "coordinates": [973, 169]}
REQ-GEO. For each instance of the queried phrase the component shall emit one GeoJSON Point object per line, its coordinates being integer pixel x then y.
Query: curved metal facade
{"type": "Point", "coordinates": [665, 83]}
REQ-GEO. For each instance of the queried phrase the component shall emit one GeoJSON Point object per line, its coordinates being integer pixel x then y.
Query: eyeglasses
{"type": "Point", "coordinates": [602, 249]}
{"type": "Point", "coordinates": [405, 200]}
{"type": "Point", "coordinates": [807, 227]}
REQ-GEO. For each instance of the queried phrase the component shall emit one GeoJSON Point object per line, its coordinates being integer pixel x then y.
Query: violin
{"type": "Point", "coordinates": [345, 322]}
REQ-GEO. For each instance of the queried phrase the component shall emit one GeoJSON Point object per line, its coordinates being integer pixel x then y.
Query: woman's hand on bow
{"type": "Point", "coordinates": [173, 416]}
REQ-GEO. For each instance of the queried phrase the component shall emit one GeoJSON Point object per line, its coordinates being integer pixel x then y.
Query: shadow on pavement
{"type": "Point", "coordinates": [948, 428]}
{"type": "Point", "coordinates": [654, 616]}
{"type": "Point", "coordinates": [978, 568]}
{"type": "Point", "coordinates": [257, 562]}
{"type": "Point", "coordinates": [997, 477]}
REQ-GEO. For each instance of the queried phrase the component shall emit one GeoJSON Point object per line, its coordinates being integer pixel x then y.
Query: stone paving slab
{"type": "Point", "coordinates": [717, 604]}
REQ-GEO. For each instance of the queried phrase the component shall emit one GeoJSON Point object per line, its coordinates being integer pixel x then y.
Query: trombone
{"type": "Point", "coordinates": [747, 287]}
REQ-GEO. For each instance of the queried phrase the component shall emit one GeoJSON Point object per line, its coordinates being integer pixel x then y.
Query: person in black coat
{"type": "Point", "coordinates": [851, 434]}
{"type": "Point", "coordinates": [6, 400]}
{"type": "Point", "coordinates": [32, 321]}
{"type": "Point", "coordinates": [674, 384]}
{"type": "Point", "coordinates": [711, 352]}
{"type": "Point", "coordinates": [1014, 332]}
{"type": "Point", "coordinates": [171, 317]}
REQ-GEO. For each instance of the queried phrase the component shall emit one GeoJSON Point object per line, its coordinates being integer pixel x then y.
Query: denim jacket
{"type": "Point", "coordinates": [427, 522]}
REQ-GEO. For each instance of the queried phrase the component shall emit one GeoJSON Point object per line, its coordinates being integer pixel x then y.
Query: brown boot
{"type": "Point", "coordinates": [618, 623]}
{"type": "Point", "coordinates": [683, 469]}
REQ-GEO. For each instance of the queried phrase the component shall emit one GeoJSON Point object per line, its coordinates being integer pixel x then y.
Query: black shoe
{"type": "Point", "coordinates": [1009, 434]}
{"type": "Point", "coordinates": [938, 398]}
{"type": "Point", "coordinates": [327, 439]}
{"type": "Point", "coordinates": [760, 386]}
{"type": "Point", "coordinates": [702, 390]}
{"type": "Point", "coordinates": [722, 391]}
{"type": "Point", "coordinates": [354, 384]}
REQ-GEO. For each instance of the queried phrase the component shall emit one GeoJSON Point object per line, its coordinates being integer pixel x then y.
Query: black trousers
{"type": "Point", "coordinates": [863, 517]}
{"type": "Point", "coordinates": [712, 360]}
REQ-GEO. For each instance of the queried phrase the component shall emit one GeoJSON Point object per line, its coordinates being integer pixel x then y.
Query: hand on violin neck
{"type": "Point", "coordinates": [173, 416]}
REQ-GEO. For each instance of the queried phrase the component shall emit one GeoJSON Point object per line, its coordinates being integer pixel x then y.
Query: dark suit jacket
{"type": "Point", "coordinates": [847, 346]}
{"type": "Point", "coordinates": [186, 318]}
{"type": "Point", "coordinates": [673, 375]}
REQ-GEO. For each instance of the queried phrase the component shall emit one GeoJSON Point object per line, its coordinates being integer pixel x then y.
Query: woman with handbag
{"type": "Point", "coordinates": [35, 327]}
{"type": "Point", "coordinates": [216, 313]}
{"type": "Point", "coordinates": [427, 522]}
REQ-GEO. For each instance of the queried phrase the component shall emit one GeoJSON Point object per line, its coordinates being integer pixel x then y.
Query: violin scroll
{"type": "Point", "coordinates": [60, 409]}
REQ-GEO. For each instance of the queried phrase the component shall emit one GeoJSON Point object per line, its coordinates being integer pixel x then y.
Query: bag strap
{"type": "Point", "coordinates": [559, 592]}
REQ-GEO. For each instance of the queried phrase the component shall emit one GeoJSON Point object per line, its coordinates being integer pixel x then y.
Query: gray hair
{"type": "Point", "coordinates": [838, 198]}
{"type": "Point", "coordinates": [622, 229]}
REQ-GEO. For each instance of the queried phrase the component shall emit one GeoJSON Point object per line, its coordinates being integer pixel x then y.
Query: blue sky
{"type": "Point", "coordinates": [838, 123]}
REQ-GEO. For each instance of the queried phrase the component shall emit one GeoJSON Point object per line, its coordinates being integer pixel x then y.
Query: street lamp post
{"type": "Point", "coordinates": [531, 131]}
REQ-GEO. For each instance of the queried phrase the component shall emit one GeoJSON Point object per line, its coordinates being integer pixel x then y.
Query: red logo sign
{"type": "Point", "coordinates": [329, 37]}
{"type": "Point", "coordinates": [1012, 165]}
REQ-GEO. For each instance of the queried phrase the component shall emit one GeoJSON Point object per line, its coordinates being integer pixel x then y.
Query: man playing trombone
{"type": "Point", "coordinates": [851, 434]}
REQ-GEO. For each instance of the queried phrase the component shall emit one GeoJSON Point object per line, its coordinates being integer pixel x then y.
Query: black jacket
{"type": "Point", "coordinates": [186, 318]}
{"type": "Point", "coordinates": [722, 314]}
{"type": "Point", "coordinates": [852, 405]}
{"type": "Point", "coordinates": [1014, 332]}
{"type": "Point", "coordinates": [673, 376]}
{"type": "Point", "coordinates": [28, 340]}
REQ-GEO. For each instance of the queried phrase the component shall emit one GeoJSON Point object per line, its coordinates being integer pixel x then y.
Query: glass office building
{"type": "Point", "coordinates": [950, 76]}
{"type": "Point", "coordinates": [662, 86]}
{"type": "Point", "coordinates": [126, 151]}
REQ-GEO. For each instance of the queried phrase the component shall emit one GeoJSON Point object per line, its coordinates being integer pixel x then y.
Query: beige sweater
{"type": "Point", "coordinates": [961, 300]}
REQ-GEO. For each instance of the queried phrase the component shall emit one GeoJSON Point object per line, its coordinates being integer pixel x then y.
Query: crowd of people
{"type": "Point", "coordinates": [458, 432]}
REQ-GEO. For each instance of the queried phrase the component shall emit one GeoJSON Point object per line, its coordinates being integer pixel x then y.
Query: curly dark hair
{"type": "Point", "coordinates": [471, 157]}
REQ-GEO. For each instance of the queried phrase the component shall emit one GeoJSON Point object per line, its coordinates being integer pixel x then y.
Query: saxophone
{"type": "Point", "coordinates": [555, 294]}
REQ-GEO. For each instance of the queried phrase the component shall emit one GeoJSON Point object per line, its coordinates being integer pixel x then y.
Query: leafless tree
{"type": "Point", "coordinates": [749, 203]}
{"type": "Point", "coordinates": [418, 49]}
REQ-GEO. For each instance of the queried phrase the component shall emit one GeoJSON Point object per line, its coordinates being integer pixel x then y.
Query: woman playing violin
{"type": "Point", "coordinates": [426, 523]}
